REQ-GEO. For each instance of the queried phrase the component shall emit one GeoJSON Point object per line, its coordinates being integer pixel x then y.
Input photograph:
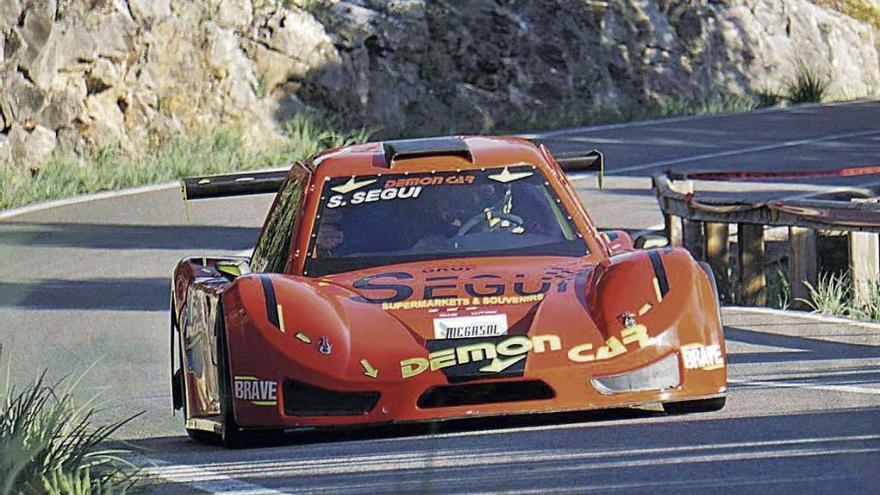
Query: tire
{"type": "Point", "coordinates": [200, 436]}
{"type": "Point", "coordinates": [695, 406]}
{"type": "Point", "coordinates": [232, 435]}
{"type": "Point", "coordinates": [178, 379]}
{"type": "Point", "coordinates": [711, 274]}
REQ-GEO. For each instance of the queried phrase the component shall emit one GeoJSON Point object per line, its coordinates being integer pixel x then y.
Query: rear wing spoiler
{"type": "Point", "coordinates": [248, 183]}
{"type": "Point", "coordinates": [239, 184]}
{"type": "Point", "coordinates": [591, 161]}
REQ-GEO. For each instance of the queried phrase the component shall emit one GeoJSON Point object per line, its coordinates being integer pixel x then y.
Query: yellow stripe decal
{"type": "Point", "coordinates": [281, 318]}
{"type": "Point", "coordinates": [657, 290]}
{"type": "Point", "coordinates": [303, 337]}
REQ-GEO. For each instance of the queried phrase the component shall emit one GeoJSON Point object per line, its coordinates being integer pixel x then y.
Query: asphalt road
{"type": "Point", "coordinates": [86, 285]}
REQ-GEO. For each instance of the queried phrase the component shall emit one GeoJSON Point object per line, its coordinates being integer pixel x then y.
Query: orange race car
{"type": "Point", "coordinates": [428, 279]}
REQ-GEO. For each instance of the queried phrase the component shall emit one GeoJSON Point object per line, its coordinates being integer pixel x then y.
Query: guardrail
{"type": "Point", "coordinates": [701, 223]}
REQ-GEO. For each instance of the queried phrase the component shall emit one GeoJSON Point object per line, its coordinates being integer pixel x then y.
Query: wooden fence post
{"type": "Point", "coordinates": [694, 240]}
{"type": "Point", "coordinates": [803, 263]}
{"type": "Point", "coordinates": [674, 230]}
{"type": "Point", "coordinates": [753, 282]}
{"type": "Point", "coordinates": [676, 227]}
{"type": "Point", "coordinates": [717, 250]}
{"type": "Point", "coordinates": [864, 262]}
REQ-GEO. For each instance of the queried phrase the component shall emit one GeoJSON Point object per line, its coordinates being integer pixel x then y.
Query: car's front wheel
{"type": "Point", "coordinates": [179, 387]}
{"type": "Point", "coordinates": [232, 435]}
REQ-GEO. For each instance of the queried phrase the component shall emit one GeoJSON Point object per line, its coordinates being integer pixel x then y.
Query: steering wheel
{"type": "Point", "coordinates": [483, 218]}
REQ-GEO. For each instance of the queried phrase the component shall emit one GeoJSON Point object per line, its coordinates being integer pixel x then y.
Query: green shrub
{"type": "Point", "coordinates": [769, 98]}
{"type": "Point", "coordinates": [807, 86]}
{"type": "Point", "coordinates": [110, 168]}
{"type": "Point", "coordinates": [833, 295]}
{"type": "Point", "coordinates": [830, 295]}
{"type": "Point", "coordinates": [49, 445]}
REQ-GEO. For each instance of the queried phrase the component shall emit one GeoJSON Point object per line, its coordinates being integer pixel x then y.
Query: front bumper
{"type": "Point", "coordinates": [300, 404]}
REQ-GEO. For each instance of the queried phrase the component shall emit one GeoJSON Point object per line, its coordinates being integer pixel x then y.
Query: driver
{"type": "Point", "coordinates": [465, 203]}
{"type": "Point", "coordinates": [330, 235]}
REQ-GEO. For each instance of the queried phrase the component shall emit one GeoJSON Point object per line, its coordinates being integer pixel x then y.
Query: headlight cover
{"type": "Point", "coordinates": [656, 376]}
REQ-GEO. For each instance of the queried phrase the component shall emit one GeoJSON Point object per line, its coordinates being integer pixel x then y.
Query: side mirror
{"type": "Point", "coordinates": [618, 240]}
{"type": "Point", "coordinates": [233, 268]}
{"type": "Point", "coordinates": [649, 241]}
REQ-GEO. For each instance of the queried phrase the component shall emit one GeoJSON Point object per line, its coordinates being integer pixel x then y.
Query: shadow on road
{"type": "Point", "coordinates": [801, 348]}
{"type": "Point", "coordinates": [401, 430]}
{"type": "Point", "coordinates": [104, 236]}
{"type": "Point", "coordinates": [821, 452]}
{"type": "Point", "coordinates": [128, 294]}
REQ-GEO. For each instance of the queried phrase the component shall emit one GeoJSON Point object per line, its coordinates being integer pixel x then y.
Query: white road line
{"type": "Point", "coordinates": [683, 118]}
{"type": "Point", "coordinates": [208, 480]}
{"type": "Point", "coordinates": [806, 316]}
{"type": "Point", "coordinates": [834, 190]}
{"type": "Point", "coordinates": [84, 198]}
{"type": "Point", "coordinates": [742, 151]}
{"type": "Point", "coordinates": [807, 386]}
{"type": "Point", "coordinates": [643, 486]}
{"type": "Point", "coordinates": [14, 212]}
{"type": "Point", "coordinates": [457, 458]}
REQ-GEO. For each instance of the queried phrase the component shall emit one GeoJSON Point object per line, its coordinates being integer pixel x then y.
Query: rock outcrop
{"type": "Point", "coordinates": [81, 74]}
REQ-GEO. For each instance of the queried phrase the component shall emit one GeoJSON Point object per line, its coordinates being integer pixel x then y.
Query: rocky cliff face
{"type": "Point", "coordinates": [79, 74]}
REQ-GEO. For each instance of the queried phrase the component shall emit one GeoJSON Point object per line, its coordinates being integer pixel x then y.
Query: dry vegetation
{"type": "Point", "coordinates": [863, 10]}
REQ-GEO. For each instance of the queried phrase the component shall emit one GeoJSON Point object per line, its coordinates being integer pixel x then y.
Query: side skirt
{"type": "Point", "coordinates": [205, 424]}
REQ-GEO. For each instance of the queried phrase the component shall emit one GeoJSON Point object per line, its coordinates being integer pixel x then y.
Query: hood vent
{"type": "Point", "coordinates": [417, 148]}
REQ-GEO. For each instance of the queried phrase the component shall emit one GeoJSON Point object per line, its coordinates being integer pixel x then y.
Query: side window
{"type": "Point", "coordinates": [273, 247]}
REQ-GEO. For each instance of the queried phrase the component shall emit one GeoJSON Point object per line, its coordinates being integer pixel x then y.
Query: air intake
{"type": "Point", "coordinates": [485, 393]}
{"type": "Point", "coordinates": [301, 399]}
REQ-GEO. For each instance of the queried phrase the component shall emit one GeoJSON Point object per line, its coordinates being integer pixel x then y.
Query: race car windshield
{"type": "Point", "coordinates": [376, 220]}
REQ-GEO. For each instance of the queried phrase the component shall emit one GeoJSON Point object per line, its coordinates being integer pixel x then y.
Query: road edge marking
{"type": "Point", "coordinates": [807, 316]}
{"type": "Point", "coordinates": [96, 196]}
{"type": "Point", "coordinates": [849, 389]}
{"type": "Point", "coordinates": [210, 482]}
{"type": "Point", "coordinates": [688, 118]}
{"type": "Point", "coordinates": [744, 151]}
{"type": "Point", "coordinates": [85, 198]}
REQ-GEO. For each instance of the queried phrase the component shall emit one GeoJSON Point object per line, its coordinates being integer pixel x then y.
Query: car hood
{"type": "Point", "coordinates": [481, 297]}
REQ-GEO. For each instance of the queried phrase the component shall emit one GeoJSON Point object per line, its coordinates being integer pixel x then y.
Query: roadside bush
{"type": "Point", "coordinates": [807, 86]}
{"type": "Point", "coordinates": [49, 445]}
{"type": "Point", "coordinates": [223, 150]}
{"type": "Point", "coordinates": [832, 295]}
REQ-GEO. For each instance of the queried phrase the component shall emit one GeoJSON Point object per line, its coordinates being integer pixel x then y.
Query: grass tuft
{"type": "Point", "coordinates": [807, 86]}
{"type": "Point", "coordinates": [110, 168]}
{"type": "Point", "coordinates": [579, 113]}
{"type": "Point", "coordinates": [862, 10]}
{"type": "Point", "coordinates": [50, 445]}
{"type": "Point", "coordinates": [769, 98]}
{"type": "Point", "coordinates": [832, 295]}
